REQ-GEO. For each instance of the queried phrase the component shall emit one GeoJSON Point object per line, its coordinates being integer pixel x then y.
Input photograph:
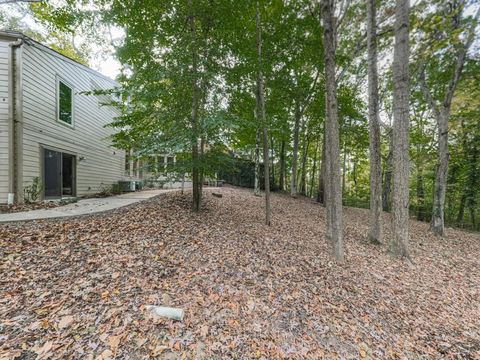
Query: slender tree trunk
{"type": "Point", "coordinates": [322, 173]}
{"type": "Point", "coordinates": [332, 146]}
{"type": "Point", "coordinates": [296, 131]}
{"type": "Point", "coordinates": [375, 233]}
{"type": "Point", "coordinates": [303, 177]}
{"type": "Point", "coordinates": [473, 179]}
{"type": "Point", "coordinates": [281, 182]}
{"type": "Point", "coordinates": [272, 162]}
{"type": "Point", "coordinates": [194, 120]}
{"type": "Point", "coordinates": [201, 172]}
{"type": "Point", "coordinates": [314, 171]}
{"type": "Point", "coordinates": [387, 179]}
{"type": "Point", "coordinates": [262, 117]}
{"type": "Point", "coordinates": [256, 190]}
{"type": "Point", "coordinates": [420, 194]}
{"type": "Point", "coordinates": [472, 215]}
{"type": "Point", "coordinates": [461, 210]}
{"type": "Point", "coordinates": [401, 116]}
{"type": "Point", "coordinates": [344, 172]}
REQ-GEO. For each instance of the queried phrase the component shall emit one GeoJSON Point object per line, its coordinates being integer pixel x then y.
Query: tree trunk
{"type": "Point", "coordinates": [256, 189]}
{"type": "Point", "coordinates": [201, 172]}
{"type": "Point", "coordinates": [303, 177]}
{"type": "Point", "coordinates": [332, 146]}
{"type": "Point", "coordinates": [296, 131]}
{"type": "Point", "coordinates": [461, 210]}
{"type": "Point", "coordinates": [375, 233]}
{"type": "Point", "coordinates": [473, 179]}
{"type": "Point", "coordinates": [387, 179]}
{"type": "Point", "coordinates": [314, 171]}
{"type": "Point", "coordinates": [272, 162]}
{"type": "Point", "coordinates": [438, 212]}
{"type": "Point", "coordinates": [194, 120]}
{"type": "Point", "coordinates": [321, 174]}
{"type": "Point", "coordinates": [344, 173]}
{"type": "Point", "coordinates": [420, 195]}
{"type": "Point", "coordinates": [401, 108]}
{"type": "Point", "coordinates": [281, 182]}
{"type": "Point", "coordinates": [262, 116]}
{"type": "Point", "coordinates": [442, 115]}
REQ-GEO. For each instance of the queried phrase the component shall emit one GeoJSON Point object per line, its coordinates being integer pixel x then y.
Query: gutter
{"type": "Point", "coordinates": [14, 131]}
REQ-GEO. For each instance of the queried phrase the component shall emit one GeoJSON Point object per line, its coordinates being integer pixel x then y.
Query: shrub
{"type": "Point", "coordinates": [32, 192]}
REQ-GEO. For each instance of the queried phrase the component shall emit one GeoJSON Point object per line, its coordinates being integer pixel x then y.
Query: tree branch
{"type": "Point", "coordinates": [343, 12]}
{"type": "Point", "coordinates": [426, 91]}
{"type": "Point", "coordinates": [461, 56]}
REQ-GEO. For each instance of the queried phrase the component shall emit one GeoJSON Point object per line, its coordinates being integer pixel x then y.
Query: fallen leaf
{"type": "Point", "coordinates": [114, 341]}
{"type": "Point", "coordinates": [65, 321]}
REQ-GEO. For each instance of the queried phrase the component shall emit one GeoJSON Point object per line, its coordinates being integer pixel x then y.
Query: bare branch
{"type": "Point", "coordinates": [310, 93]}
{"type": "Point", "coordinates": [343, 12]}
{"type": "Point", "coordinates": [426, 92]}
{"type": "Point", "coordinates": [461, 57]}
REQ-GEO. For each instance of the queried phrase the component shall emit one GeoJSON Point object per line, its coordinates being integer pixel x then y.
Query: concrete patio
{"type": "Point", "coordinates": [84, 206]}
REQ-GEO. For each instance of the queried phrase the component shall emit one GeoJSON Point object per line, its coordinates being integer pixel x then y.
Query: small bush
{"type": "Point", "coordinates": [109, 190]}
{"type": "Point", "coordinates": [116, 189]}
{"type": "Point", "coordinates": [31, 193]}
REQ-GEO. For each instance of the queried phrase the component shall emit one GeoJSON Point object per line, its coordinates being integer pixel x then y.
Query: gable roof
{"type": "Point", "coordinates": [31, 42]}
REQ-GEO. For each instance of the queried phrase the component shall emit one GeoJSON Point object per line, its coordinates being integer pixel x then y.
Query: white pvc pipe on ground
{"type": "Point", "coordinates": [168, 312]}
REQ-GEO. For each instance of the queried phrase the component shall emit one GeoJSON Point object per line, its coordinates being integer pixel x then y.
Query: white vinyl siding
{"type": "Point", "coordinates": [4, 120]}
{"type": "Point", "coordinates": [88, 139]}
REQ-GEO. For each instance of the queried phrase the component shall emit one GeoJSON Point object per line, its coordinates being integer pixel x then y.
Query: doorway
{"type": "Point", "coordinates": [59, 174]}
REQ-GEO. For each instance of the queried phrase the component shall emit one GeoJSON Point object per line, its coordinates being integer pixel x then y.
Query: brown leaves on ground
{"type": "Point", "coordinates": [30, 206]}
{"type": "Point", "coordinates": [77, 288]}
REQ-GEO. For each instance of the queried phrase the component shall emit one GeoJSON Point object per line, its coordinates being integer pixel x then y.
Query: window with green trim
{"type": "Point", "coordinates": [65, 103]}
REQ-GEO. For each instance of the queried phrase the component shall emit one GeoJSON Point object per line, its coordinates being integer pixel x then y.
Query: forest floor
{"type": "Point", "coordinates": [77, 288]}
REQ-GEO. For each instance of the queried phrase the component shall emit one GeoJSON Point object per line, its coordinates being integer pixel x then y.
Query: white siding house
{"type": "Point", "coordinates": [48, 129]}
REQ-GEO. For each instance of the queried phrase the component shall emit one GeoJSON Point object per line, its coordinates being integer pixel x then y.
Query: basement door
{"type": "Point", "coordinates": [59, 174]}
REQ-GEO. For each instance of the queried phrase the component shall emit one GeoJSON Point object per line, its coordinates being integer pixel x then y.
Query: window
{"type": "Point", "coordinates": [65, 103]}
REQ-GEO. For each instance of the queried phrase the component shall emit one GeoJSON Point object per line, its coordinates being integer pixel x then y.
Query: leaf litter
{"type": "Point", "coordinates": [79, 287]}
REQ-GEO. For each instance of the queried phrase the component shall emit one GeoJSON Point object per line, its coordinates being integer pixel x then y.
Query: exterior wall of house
{"type": "Point", "coordinates": [97, 162]}
{"type": "Point", "coordinates": [4, 120]}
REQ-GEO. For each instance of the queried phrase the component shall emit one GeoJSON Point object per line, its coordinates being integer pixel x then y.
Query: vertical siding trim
{"type": "Point", "coordinates": [15, 120]}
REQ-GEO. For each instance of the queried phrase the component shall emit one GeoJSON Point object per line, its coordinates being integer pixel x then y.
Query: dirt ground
{"type": "Point", "coordinates": [77, 288]}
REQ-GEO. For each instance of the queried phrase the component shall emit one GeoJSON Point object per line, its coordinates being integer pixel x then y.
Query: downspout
{"type": "Point", "coordinates": [13, 160]}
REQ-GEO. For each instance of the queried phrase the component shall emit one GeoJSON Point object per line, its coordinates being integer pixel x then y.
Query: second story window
{"type": "Point", "coordinates": [65, 103]}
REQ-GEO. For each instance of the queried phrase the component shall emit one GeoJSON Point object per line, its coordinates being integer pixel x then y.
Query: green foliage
{"type": "Point", "coordinates": [165, 40]}
{"type": "Point", "coordinates": [109, 189]}
{"type": "Point", "coordinates": [33, 192]}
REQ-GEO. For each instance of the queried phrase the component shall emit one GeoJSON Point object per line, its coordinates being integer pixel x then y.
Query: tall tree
{"type": "Point", "coordinates": [256, 189]}
{"type": "Point", "coordinates": [296, 138]}
{"type": "Point", "coordinates": [374, 127]}
{"type": "Point", "coordinates": [441, 109]}
{"type": "Point", "coordinates": [262, 115]}
{"type": "Point", "coordinates": [401, 119]}
{"type": "Point", "coordinates": [194, 116]}
{"type": "Point", "coordinates": [332, 141]}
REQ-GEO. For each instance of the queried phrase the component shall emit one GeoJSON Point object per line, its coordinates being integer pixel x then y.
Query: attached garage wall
{"type": "Point", "coordinates": [97, 161]}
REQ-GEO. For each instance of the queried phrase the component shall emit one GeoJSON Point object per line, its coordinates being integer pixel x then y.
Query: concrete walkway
{"type": "Point", "coordinates": [84, 206]}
